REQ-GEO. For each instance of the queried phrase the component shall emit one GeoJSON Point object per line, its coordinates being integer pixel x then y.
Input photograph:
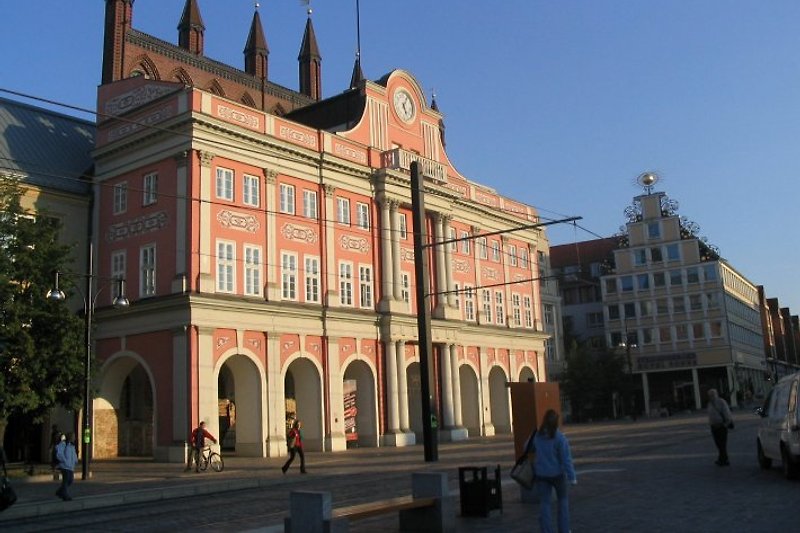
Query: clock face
{"type": "Point", "coordinates": [403, 105]}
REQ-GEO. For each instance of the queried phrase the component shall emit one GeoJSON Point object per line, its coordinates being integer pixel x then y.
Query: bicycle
{"type": "Point", "coordinates": [208, 457]}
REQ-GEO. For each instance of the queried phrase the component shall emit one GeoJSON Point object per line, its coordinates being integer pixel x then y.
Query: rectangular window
{"type": "Point", "coordinates": [251, 192]}
{"type": "Point", "coordinates": [487, 306]}
{"type": "Point", "coordinates": [343, 211]}
{"type": "Point", "coordinates": [346, 284]}
{"type": "Point", "coordinates": [655, 255]}
{"type": "Point", "coordinates": [401, 219]}
{"type": "Point", "coordinates": [500, 310]}
{"type": "Point", "coordinates": [362, 210]}
{"type": "Point", "coordinates": [483, 252]}
{"type": "Point", "coordinates": [365, 286]}
{"type": "Point", "coordinates": [627, 283]}
{"type": "Point", "coordinates": [287, 199]}
{"type": "Point", "coordinates": [405, 287]}
{"type": "Point", "coordinates": [225, 183]}
{"type": "Point", "coordinates": [692, 275]}
{"type": "Point", "coordinates": [252, 270]}
{"type": "Point", "coordinates": [665, 334]}
{"type": "Point", "coordinates": [681, 332]}
{"type": "Point", "coordinates": [653, 230]}
{"type": "Point", "coordinates": [120, 198]}
{"type": "Point", "coordinates": [675, 278]}
{"type": "Point", "coordinates": [696, 302]}
{"type": "Point", "coordinates": [715, 328]}
{"type": "Point", "coordinates": [673, 253]}
{"type": "Point", "coordinates": [150, 188]}
{"type": "Point", "coordinates": [516, 309]}
{"type": "Point", "coordinates": [640, 257]}
{"type": "Point", "coordinates": [453, 246]}
{"type": "Point", "coordinates": [310, 204]}
{"type": "Point", "coordinates": [712, 300]}
{"type": "Point", "coordinates": [662, 306]}
{"type": "Point", "coordinates": [147, 270]}
{"type": "Point", "coordinates": [226, 264]}
{"type": "Point", "coordinates": [457, 295]}
{"type": "Point", "coordinates": [678, 304]}
{"type": "Point", "coordinates": [611, 285]}
{"type": "Point", "coordinates": [613, 312]}
{"type": "Point", "coordinates": [630, 309]}
{"type": "Point", "coordinates": [698, 331]}
{"type": "Point", "coordinates": [645, 308]}
{"type": "Point", "coordinates": [469, 303]}
{"type": "Point", "coordinates": [643, 282]}
{"type": "Point", "coordinates": [528, 307]}
{"type": "Point", "coordinates": [659, 279]}
{"type": "Point", "coordinates": [647, 336]}
{"type": "Point", "coordinates": [312, 279]}
{"type": "Point", "coordinates": [288, 276]}
{"type": "Point", "coordinates": [118, 266]}
{"type": "Point", "coordinates": [495, 251]}
{"type": "Point", "coordinates": [523, 258]}
{"type": "Point", "coordinates": [512, 255]}
{"type": "Point", "coordinates": [710, 272]}
{"type": "Point", "coordinates": [465, 246]}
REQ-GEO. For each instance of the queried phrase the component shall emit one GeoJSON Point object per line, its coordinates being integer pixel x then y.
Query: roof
{"type": "Point", "coordinates": [581, 253]}
{"type": "Point", "coordinates": [336, 113]}
{"type": "Point", "coordinates": [46, 148]}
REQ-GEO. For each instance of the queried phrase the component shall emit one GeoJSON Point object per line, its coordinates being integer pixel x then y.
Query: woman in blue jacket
{"type": "Point", "coordinates": [67, 458]}
{"type": "Point", "coordinates": [554, 469]}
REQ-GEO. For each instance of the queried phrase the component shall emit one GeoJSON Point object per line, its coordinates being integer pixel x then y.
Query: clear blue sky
{"type": "Point", "coordinates": [557, 103]}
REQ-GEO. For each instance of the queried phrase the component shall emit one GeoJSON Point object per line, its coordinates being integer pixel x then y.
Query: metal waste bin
{"type": "Point", "coordinates": [479, 493]}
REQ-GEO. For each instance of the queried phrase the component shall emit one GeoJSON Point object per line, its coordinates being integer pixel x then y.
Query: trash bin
{"type": "Point", "coordinates": [479, 493]}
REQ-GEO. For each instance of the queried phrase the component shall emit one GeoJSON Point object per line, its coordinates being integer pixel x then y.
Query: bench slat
{"type": "Point", "coordinates": [367, 510]}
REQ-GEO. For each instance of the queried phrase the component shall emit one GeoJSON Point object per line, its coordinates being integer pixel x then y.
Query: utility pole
{"type": "Point", "coordinates": [421, 264]}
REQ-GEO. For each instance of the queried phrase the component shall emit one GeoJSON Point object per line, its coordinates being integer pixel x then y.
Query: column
{"type": "Point", "coordinates": [335, 439]}
{"type": "Point", "coordinates": [206, 186]}
{"type": "Point", "coordinates": [448, 261]}
{"type": "Point", "coordinates": [181, 399]}
{"type": "Point", "coordinates": [392, 397]}
{"type": "Point", "coordinates": [206, 381]}
{"type": "Point", "coordinates": [180, 283]}
{"type": "Point", "coordinates": [698, 400]}
{"type": "Point", "coordinates": [507, 308]}
{"type": "Point", "coordinates": [447, 386]}
{"type": "Point", "coordinates": [441, 278]}
{"type": "Point", "coordinates": [478, 292]}
{"type": "Point", "coordinates": [486, 412]}
{"type": "Point", "coordinates": [331, 272]}
{"type": "Point", "coordinates": [276, 398]}
{"type": "Point", "coordinates": [457, 420]}
{"type": "Point", "coordinates": [273, 291]}
{"type": "Point", "coordinates": [395, 225]}
{"type": "Point", "coordinates": [387, 264]}
{"type": "Point", "coordinates": [646, 393]}
{"type": "Point", "coordinates": [402, 385]}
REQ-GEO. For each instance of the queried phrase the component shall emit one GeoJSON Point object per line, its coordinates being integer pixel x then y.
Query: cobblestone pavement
{"type": "Point", "coordinates": [645, 476]}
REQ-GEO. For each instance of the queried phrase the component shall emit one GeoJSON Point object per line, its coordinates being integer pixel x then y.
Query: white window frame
{"type": "Point", "coordinates": [346, 284]}
{"type": "Point", "coordinates": [119, 264]}
{"type": "Point", "coordinates": [516, 309]}
{"type": "Point", "coordinates": [365, 290]}
{"type": "Point", "coordinates": [465, 243]}
{"type": "Point", "coordinates": [500, 308]}
{"type": "Point", "coordinates": [527, 304]}
{"type": "Point", "coordinates": [310, 204]}
{"type": "Point", "coordinates": [226, 266]}
{"type": "Point", "coordinates": [224, 183]}
{"type": "Point", "coordinates": [457, 295]}
{"type": "Point", "coordinates": [453, 244]}
{"type": "Point", "coordinates": [496, 251]}
{"type": "Point", "coordinates": [402, 225]}
{"type": "Point", "coordinates": [405, 288]}
{"type": "Point", "coordinates": [147, 270]}
{"type": "Point", "coordinates": [251, 190]}
{"type": "Point", "coordinates": [289, 276]}
{"type": "Point", "coordinates": [482, 249]}
{"type": "Point", "coordinates": [523, 258]}
{"type": "Point", "coordinates": [486, 297]}
{"type": "Point", "coordinates": [362, 214]}
{"type": "Point", "coordinates": [149, 188]}
{"type": "Point", "coordinates": [120, 198]}
{"type": "Point", "coordinates": [469, 302]}
{"type": "Point", "coordinates": [286, 199]}
{"type": "Point", "coordinates": [343, 210]}
{"type": "Point", "coordinates": [512, 255]}
{"type": "Point", "coordinates": [312, 278]}
{"type": "Point", "coordinates": [253, 270]}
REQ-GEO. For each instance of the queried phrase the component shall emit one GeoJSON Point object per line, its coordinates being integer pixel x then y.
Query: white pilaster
{"type": "Point", "coordinates": [387, 270]}
{"type": "Point", "coordinates": [402, 385]}
{"type": "Point", "coordinates": [448, 263]}
{"type": "Point", "coordinates": [180, 282]}
{"type": "Point", "coordinates": [206, 186]}
{"type": "Point", "coordinates": [486, 402]}
{"type": "Point", "coordinates": [331, 272]}
{"type": "Point", "coordinates": [273, 289]}
{"type": "Point", "coordinates": [276, 402]}
{"type": "Point", "coordinates": [395, 224]}
{"type": "Point", "coordinates": [335, 441]}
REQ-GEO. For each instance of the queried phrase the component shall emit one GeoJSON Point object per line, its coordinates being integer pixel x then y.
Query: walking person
{"type": "Point", "coordinates": [67, 458]}
{"type": "Point", "coordinates": [720, 420]}
{"type": "Point", "coordinates": [198, 442]}
{"type": "Point", "coordinates": [553, 466]}
{"type": "Point", "coordinates": [295, 441]}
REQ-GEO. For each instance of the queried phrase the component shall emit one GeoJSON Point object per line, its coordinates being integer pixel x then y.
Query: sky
{"type": "Point", "coordinates": [559, 104]}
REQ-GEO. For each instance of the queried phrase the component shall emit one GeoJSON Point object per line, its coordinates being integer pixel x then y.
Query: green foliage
{"type": "Point", "coordinates": [591, 379]}
{"type": "Point", "coordinates": [41, 342]}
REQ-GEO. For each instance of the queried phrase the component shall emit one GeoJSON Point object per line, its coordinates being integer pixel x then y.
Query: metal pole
{"type": "Point", "coordinates": [429, 424]}
{"type": "Point", "coordinates": [86, 433]}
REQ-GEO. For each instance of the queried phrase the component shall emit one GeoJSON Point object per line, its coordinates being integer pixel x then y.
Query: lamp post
{"type": "Point", "coordinates": [93, 290]}
{"type": "Point", "coordinates": [627, 344]}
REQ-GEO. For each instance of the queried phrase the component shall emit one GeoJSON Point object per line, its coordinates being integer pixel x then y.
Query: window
{"type": "Point", "coordinates": [252, 270]}
{"type": "Point", "coordinates": [594, 320]}
{"type": "Point", "coordinates": [662, 306]}
{"type": "Point", "coordinates": [695, 302]}
{"type": "Point", "coordinates": [150, 188]}
{"type": "Point", "coordinates": [710, 272]}
{"type": "Point", "coordinates": [225, 183]}
{"type": "Point", "coordinates": [499, 308]}
{"type": "Point", "coordinates": [630, 309]}
{"type": "Point", "coordinates": [643, 282]}
{"type": "Point", "coordinates": [225, 266]}
{"type": "Point", "coordinates": [346, 284]}
{"type": "Point", "coordinates": [653, 230]}
{"type": "Point", "coordinates": [516, 311]}
{"type": "Point", "coordinates": [495, 251]}
{"type": "Point", "coordinates": [362, 211]}
{"type": "Point", "coordinates": [526, 303]}
{"type": "Point", "coordinates": [673, 253]}
{"type": "Point", "coordinates": [640, 257]}
{"type": "Point", "coordinates": [118, 266]}
{"type": "Point", "coordinates": [523, 258]}
{"type": "Point", "coordinates": [480, 244]}
{"type": "Point", "coordinates": [698, 331]}
{"type": "Point", "coordinates": [675, 278]}
{"type": "Point", "coordinates": [712, 300]}
{"type": "Point", "coordinates": [288, 276]}
{"type": "Point", "coordinates": [365, 286]}
{"type": "Point", "coordinates": [681, 332]}
{"type": "Point", "coordinates": [512, 255]}
{"type": "Point", "coordinates": [465, 243]}
{"type": "Point", "coordinates": [401, 219]}
{"type": "Point", "coordinates": [659, 279]}
{"type": "Point", "coordinates": [147, 270]}
{"type": "Point", "coordinates": [692, 275]}
{"type": "Point", "coordinates": [647, 336]}
{"type": "Point", "coordinates": [715, 328]}
{"type": "Point", "coordinates": [453, 245]}
{"type": "Point", "coordinates": [310, 204]}
{"type": "Point", "coordinates": [251, 192]}
{"type": "Point", "coordinates": [343, 211]}
{"type": "Point", "coordinates": [287, 199]}
{"type": "Point", "coordinates": [469, 303]}
{"type": "Point", "coordinates": [646, 308]}
{"type": "Point", "coordinates": [613, 312]}
{"type": "Point", "coordinates": [627, 283]}
{"type": "Point", "coordinates": [678, 304]}
{"type": "Point", "coordinates": [405, 287]}
{"type": "Point", "coordinates": [611, 285]}
{"type": "Point", "coordinates": [120, 198]}
{"type": "Point", "coordinates": [487, 306]}
{"type": "Point", "coordinates": [665, 334]}
{"type": "Point", "coordinates": [457, 295]}
{"type": "Point", "coordinates": [655, 255]}
{"type": "Point", "coordinates": [312, 279]}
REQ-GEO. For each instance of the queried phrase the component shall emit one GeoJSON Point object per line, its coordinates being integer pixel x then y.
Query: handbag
{"type": "Point", "coordinates": [522, 472]}
{"type": "Point", "coordinates": [7, 494]}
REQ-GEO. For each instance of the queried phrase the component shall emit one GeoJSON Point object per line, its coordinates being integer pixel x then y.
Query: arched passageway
{"type": "Point", "coordinates": [470, 400]}
{"type": "Point", "coordinates": [499, 399]}
{"type": "Point", "coordinates": [360, 405]}
{"type": "Point", "coordinates": [239, 406]}
{"type": "Point", "coordinates": [303, 396]}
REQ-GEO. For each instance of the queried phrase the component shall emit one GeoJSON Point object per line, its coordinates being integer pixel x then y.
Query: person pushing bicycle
{"type": "Point", "coordinates": [198, 441]}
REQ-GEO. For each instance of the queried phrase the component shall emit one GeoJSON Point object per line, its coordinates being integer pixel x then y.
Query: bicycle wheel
{"type": "Point", "coordinates": [203, 462]}
{"type": "Point", "coordinates": [216, 462]}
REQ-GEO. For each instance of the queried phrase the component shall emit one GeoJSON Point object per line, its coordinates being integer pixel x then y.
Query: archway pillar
{"type": "Point", "coordinates": [335, 440]}
{"type": "Point", "coordinates": [401, 435]}
{"type": "Point", "coordinates": [487, 428]}
{"type": "Point", "coordinates": [276, 402]}
{"type": "Point", "coordinates": [176, 452]}
{"type": "Point", "coordinates": [449, 367]}
{"type": "Point", "coordinates": [206, 390]}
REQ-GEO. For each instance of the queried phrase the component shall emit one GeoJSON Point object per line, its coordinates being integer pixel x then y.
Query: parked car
{"type": "Point", "coordinates": [779, 431]}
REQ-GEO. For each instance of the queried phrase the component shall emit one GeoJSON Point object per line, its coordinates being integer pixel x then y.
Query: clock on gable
{"type": "Point", "coordinates": [404, 105]}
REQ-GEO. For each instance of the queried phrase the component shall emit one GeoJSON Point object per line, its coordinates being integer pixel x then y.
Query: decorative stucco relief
{"type": "Point", "coordinates": [137, 226]}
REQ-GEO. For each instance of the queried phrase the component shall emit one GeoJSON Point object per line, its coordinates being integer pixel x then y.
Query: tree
{"type": "Point", "coordinates": [41, 342]}
{"type": "Point", "coordinates": [591, 379]}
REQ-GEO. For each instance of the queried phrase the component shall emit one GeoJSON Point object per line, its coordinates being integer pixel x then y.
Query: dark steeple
{"type": "Point", "coordinates": [119, 16]}
{"type": "Point", "coordinates": [310, 63]}
{"type": "Point", "coordinates": [256, 52]}
{"type": "Point", "coordinates": [358, 74]}
{"type": "Point", "coordinates": [191, 28]}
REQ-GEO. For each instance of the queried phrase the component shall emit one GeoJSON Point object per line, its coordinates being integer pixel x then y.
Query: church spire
{"type": "Point", "coordinates": [358, 74]}
{"type": "Point", "coordinates": [256, 51]}
{"type": "Point", "coordinates": [119, 15]}
{"type": "Point", "coordinates": [191, 28]}
{"type": "Point", "coordinates": [310, 63]}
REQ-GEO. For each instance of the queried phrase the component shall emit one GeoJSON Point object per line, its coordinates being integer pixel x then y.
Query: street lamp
{"type": "Point", "coordinates": [89, 301]}
{"type": "Point", "coordinates": [627, 344]}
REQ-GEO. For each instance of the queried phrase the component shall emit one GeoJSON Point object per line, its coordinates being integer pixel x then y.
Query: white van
{"type": "Point", "coordinates": [779, 432]}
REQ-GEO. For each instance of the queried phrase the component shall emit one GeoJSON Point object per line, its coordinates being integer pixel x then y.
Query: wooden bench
{"type": "Point", "coordinates": [429, 508]}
